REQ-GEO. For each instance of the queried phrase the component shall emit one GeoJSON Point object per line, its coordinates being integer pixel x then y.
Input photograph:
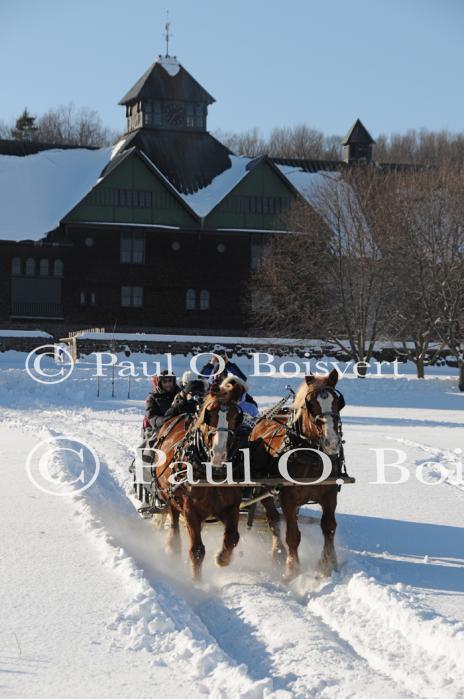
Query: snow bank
{"type": "Point", "coordinates": [213, 339]}
{"type": "Point", "coordinates": [421, 651]}
{"type": "Point", "coordinates": [36, 191]}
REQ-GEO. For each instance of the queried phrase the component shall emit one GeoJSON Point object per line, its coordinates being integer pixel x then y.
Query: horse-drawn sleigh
{"type": "Point", "coordinates": [293, 456]}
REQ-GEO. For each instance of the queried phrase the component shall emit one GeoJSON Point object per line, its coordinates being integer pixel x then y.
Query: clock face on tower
{"type": "Point", "coordinates": [174, 114]}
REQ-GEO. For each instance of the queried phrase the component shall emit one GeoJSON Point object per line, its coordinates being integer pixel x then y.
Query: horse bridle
{"type": "Point", "coordinates": [328, 413]}
{"type": "Point", "coordinates": [214, 430]}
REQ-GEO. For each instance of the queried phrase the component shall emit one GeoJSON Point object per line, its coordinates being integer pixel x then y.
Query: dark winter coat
{"type": "Point", "coordinates": [182, 403]}
{"type": "Point", "coordinates": [157, 404]}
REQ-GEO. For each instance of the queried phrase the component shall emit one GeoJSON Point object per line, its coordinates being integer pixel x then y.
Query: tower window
{"type": "Point", "coordinates": [43, 267]}
{"type": "Point", "coordinates": [16, 266]}
{"type": "Point", "coordinates": [204, 300]}
{"type": "Point", "coordinates": [190, 300]}
{"type": "Point", "coordinates": [58, 268]}
{"type": "Point", "coordinates": [30, 267]}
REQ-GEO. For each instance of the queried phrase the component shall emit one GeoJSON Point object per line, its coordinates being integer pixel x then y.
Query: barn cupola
{"type": "Point", "coordinates": [166, 97]}
{"type": "Point", "coordinates": [357, 144]}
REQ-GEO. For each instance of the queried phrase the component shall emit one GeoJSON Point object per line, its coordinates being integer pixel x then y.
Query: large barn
{"type": "Point", "coordinates": [159, 233]}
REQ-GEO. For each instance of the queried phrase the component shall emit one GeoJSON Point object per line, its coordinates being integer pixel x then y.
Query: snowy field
{"type": "Point", "coordinates": [92, 606]}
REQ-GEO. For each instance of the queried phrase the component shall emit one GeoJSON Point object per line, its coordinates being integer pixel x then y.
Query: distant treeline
{"type": "Point", "coordinates": [83, 126]}
{"type": "Point", "coordinates": [430, 147]}
{"type": "Point", "coordinates": [63, 125]}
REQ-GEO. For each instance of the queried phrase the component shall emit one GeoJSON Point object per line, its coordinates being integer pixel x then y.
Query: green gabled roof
{"type": "Point", "coordinates": [116, 162]}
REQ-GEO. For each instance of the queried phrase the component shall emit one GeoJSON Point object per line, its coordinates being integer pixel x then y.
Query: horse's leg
{"type": "Point", "coordinates": [231, 538]}
{"type": "Point", "coordinates": [273, 520]}
{"type": "Point", "coordinates": [328, 560]}
{"type": "Point", "coordinates": [197, 548]}
{"type": "Point", "coordinates": [173, 543]}
{"type": "Point", "coordinates": [293, 534]}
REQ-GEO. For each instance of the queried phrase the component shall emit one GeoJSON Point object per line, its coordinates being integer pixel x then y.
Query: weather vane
{"type": "Point", "coordinates": [168, 34]}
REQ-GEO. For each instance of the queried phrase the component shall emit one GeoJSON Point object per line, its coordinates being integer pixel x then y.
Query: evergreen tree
{"type": "Point", "coordinates": [25, 127]}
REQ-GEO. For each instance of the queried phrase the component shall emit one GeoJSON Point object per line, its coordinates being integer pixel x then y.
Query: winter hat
{"type": "Point", "coordinates": [193, 382]}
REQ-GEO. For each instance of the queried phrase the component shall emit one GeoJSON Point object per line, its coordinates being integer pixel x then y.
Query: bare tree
{"type": "Point", "coordinates": [409, 321]}
{"type": "Point", "coordinates": [249, 143]}
{"type": "Point", "coordinates": [67, 124]}
{"type": "Point", "coordinates": [64, 125]}
{"type": "Point", "coordinates": [438, 148]}
{"type": "Point", "coordinates": [287, 294]}
{"type": "Point", "coordinates": [437, 221]}
{"type": "Point", "coordinates": [329, 277]}
{"type": "Point", "coordinates": [5, 130]}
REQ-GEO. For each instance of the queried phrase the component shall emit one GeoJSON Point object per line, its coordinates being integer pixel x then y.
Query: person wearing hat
{"type": "Point", "coordinates": [210, 369]}
{"type": "Point", "coordinates": [160, 399]}
{"type": "Point", "coordinates": [190, 396]}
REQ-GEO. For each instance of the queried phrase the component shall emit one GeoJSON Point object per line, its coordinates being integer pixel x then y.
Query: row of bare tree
{"type": "Point", "coordinates": [379, 255]}
{"type": "Point", "coordinates": [65, 124]}
{"type": "Point", "coordinates": [423, 146]}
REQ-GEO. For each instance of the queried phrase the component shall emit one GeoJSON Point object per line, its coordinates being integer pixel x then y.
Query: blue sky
{"type": "Point", "coordinates": [397, 64]}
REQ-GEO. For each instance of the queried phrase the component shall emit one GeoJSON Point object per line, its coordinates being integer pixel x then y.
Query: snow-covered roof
{"type": "Point", "coordinates": [309, 184]}
{"type": "Point", "coordinates": [36, 191]}
{"type": "Point", "coordinates": [170, 64]}
{"type": "Point", "coordinates": [204, 200]}
{"type": "Point", "coordinates": [25, 333]}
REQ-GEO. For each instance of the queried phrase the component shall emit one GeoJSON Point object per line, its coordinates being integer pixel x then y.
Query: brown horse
{"type": "Point", "coordinates": [209, 438]}
{"type": "Point", "coordinates": [315, 421]}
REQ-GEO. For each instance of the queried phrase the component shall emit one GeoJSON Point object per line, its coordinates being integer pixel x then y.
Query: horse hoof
{"type": "Point", "coordinates": [325, 568]}
{"type": "Point", "coordinates": [279, 558]}
{"type": "Point", "coordinates": [223, 559]}
{"type": "Point", "coordinates": [292, 570]}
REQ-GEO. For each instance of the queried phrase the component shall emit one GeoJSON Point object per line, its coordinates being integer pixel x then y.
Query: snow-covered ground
{"type": "Point", "coordinates": [92, 606]}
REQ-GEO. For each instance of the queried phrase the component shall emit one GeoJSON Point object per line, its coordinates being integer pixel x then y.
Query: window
{"type": "Point", "coordinates": [43, 267]}
{"type": "Point", "coordinates": [16, 266]}
{"type": "Point", "coordinates": [256, 253]}
{"type": "Point", "coordinates": [221, 247]}
{"type": "Point", "coordinates": [241, 204]}
{"type": "Point", "coordinates": [92, 298]}
{"type": "Point", "coordinates": [133, 248]}
{"type": "Point", "coordinates": [204, 300]}
{"type": "Point", "coordinates": [132, 296]}
{"type": "Point", "coordinates": [82, 298]}
{"type": "Point", "coordinates": [199, 116]}
{"type": "Point", "coordinates": [135, 198]}
{"type": "Point", "coordinates": [157, 114]}
{"type": "Point", "coordinates": [190, 300]}
{"type": "Point", "coordinates": [30, 267]}
{"type": "Point", "coordinates": [58, 268]}
{"type": "Point", "coordinates": [189, 115]}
